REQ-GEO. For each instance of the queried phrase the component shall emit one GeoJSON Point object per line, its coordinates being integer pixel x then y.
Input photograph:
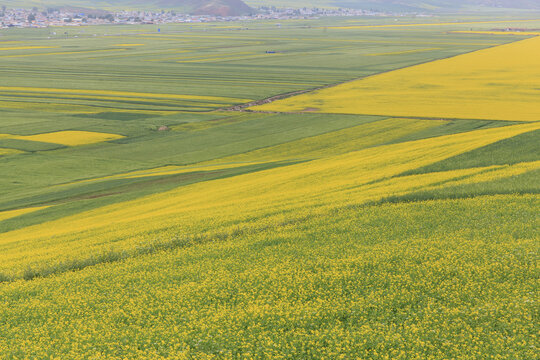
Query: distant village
{"type": "Point", "coordinates": [40, 18]}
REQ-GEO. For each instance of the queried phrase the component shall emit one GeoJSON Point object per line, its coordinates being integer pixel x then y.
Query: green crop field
{"type": "Point", "coordinates": [150, 209]}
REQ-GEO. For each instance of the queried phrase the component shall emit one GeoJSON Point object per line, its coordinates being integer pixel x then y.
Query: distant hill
{"type": "Point", "coordinates": [205, 7]}
{"type": "Point", "coordinates": [200, 7]}
{"type": "Point", "coordinates": [220, 7]}
{"type": "Point", "coordinates": [448, 4]}
{"type": "Point", "coordinates": [239, 7]}
{"type": "Point", "coordinates": [406, 5]}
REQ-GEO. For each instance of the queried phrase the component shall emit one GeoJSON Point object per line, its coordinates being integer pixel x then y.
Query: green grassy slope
{"type": "Point", "coordinates": [506, 152]}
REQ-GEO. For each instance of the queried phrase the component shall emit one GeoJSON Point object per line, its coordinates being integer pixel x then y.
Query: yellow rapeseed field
{"type": "Point", "coordinates": [50, 107]}
{"type": "Point", "coordinates": [499, 83]}
{"type": "Point", "coordinates": [385, 26]}
{"type": "Point", "coordinates": [70, 138]}
{"type": "Point", "coordinates": [357, 283]}
{"type": "Point", "coordinates": [4, 151]}
{"type": "Point", "coordinates": [336, 142]}
{"type": "Point", "coordinates": [501, 171]}
{"type": "Point", "coordinates": [128, 44]}
{"type": "Point", "coordinates": [59, 53]}
{"type": "Point", "coordinates": [4, 215]}
{"type": "Point", "coordinates": [27, 47]}
{"type": "Point", "coordinates": [353, 178]}
{"type": "Point", "coordinates": [523, 33]}
{"type": "Point", "coordinates": [119, 93]}
{"type": "Point", "coordinates": [256, 235]}
{"type": "Point", "coordinates": [163, 171]}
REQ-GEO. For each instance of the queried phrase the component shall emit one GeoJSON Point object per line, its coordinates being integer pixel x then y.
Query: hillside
{"type": "Point", "coordinates": [219, 7]}
{"type": "Point", "coordinates": [406, 5]}
{"type": "Point", "coordinates": [200, 7]}
{"type": "Point", "coordinates": [240, 7]}
{"type": "Point", "coordinates": [387, 209]}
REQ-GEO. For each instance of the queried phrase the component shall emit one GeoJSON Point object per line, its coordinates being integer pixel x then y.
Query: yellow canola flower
{"type": "Point", "coordinates": [4, 215]}
{"type": "Point", "coordinates": [499, 83]}
{"type": "Point", "coordinates": [426, 24]}
{"type": "Point", "coordinates": [499, 172]}
{"type": "Point", "coordinates": [524, 33]}
{"type": "Point", "coordinates": [119, 93]}
{"type": "Point", "coordinates": [93, 97]}
{"type": "Point", "coordinates": [275, 293]}
{"type": "Point", "coordinates": [60, 53]}
{"type": "Point", "coordinates": [70, 138]}
{"type": "Point", "coordinates": [337, 142]}
{"type": "Point", "coordinates": [175, 170]}
{"type": "Point", "coordinates": [352, 178]}
{"type": "Point", "coordinates": [128, 44]}
{"type": "Point", "coordinates": [4, 151]}
{"type": "Point", "coordinates": [164, 171]}
{"type": "Point", "coordinates": [27, 47]}
{"type": "Point", "coordinates": [51, 107]}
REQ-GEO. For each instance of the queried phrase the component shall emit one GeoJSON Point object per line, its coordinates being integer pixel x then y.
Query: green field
{"type": "Point", "coordinates": [207, 231]}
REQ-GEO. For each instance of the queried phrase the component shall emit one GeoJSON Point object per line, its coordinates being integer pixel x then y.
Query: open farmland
{"type": "Point", "coordinates": [498, 83]}
{"type": "Point", "coordinates": [155, 206]}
